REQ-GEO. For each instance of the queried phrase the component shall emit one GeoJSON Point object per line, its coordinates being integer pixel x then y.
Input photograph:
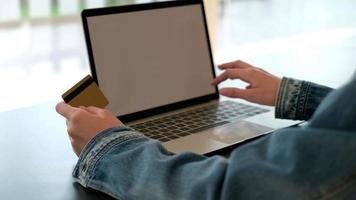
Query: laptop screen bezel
{"type": "Point", "coordinates": [141, 7]}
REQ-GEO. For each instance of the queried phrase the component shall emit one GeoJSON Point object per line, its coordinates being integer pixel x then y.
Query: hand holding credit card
{"type": "Point", "coordinates": [85, 93]}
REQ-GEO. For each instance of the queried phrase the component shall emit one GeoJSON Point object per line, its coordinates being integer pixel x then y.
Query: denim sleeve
{"type": "Point", "coordinates": [298, 99]}
{"type": "Point", "coordinates": [312, 162]}
{"type": "Point", "coordinates": [288, 164]}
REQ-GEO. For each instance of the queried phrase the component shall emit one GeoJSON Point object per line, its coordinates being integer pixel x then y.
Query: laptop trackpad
{"type": "Point", "coordinates": [217, 138]}
{"type": "Point", "coordinates": [238, 132]}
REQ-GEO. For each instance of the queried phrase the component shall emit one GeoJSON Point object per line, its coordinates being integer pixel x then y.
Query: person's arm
{"type": "Point", "coordinates": [293, 99]}
{"type": "Point", "coordinates": [295, 163]}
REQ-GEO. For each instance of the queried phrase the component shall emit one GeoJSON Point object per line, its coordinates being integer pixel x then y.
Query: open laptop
{"type": "Point", "coordinates": [154, 64]}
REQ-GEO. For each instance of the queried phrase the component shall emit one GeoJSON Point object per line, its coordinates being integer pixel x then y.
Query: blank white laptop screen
{"type": "Point", "coordinates": [146, 59]}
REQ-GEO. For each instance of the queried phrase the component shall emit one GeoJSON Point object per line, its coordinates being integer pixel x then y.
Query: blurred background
{"type": "Point", "coordinates": [43, 53]}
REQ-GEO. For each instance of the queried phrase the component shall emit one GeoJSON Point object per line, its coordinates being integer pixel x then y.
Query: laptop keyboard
{"type": "Point", "coordinates": [192, 121]}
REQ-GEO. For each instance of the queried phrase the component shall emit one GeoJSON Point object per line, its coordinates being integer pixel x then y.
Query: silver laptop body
{"type": "Point", "coordinates": [154, 64]}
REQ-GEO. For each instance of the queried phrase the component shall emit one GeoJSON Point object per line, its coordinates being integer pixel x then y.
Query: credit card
{"type": "Point", "coordinates": [85, 93]}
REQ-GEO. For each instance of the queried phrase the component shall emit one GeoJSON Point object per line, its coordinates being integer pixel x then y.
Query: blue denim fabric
{"type": "Point", "coordinates": [316, 161]}
{"type": "Point", "coordinates": [298, 99]}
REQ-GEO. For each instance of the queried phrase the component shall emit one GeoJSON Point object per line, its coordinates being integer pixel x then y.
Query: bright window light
{"type": "Point", "coordinates": [68, 7]}
{"type": "Point", "coordinates": [95, 3]}
{"type": "Point", "coordinates": [9, 10]}
{"type": "Point", "coordinates": [39, 8]}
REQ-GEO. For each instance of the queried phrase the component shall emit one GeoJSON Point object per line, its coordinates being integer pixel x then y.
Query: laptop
{"type": "Point", "coordinates": [154, 64]}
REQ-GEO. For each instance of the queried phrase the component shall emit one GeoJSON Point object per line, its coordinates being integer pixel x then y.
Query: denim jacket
{"type": "Point", "coordinates": [311, 162]}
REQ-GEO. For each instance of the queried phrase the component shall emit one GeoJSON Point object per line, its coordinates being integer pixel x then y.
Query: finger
{"type": "Point", "coordinates": [235, 93]}
{"type": "Point", "coordinates": [262, 70]}
{"type": "Point", "coordinates": [87, 109]}
{"type": "Point", "coordinates": [65, 110]}
{"type": "Point", "coordinates": [222, 77]}
{"type": "Point", "coordinates": [241, 74]}
{"type": "Point", "coordinates": [93, 109]}
{"type": "Point", "coordinates": [235, 64]}
{"type": "Point", "coordinates": [227, 65]}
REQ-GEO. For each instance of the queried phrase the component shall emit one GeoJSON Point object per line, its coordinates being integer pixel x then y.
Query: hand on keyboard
{"type": "Point", "coordinates": [263, 86]}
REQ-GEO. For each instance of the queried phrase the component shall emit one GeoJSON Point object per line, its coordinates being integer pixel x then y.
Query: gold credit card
{"type": "Point", "coordinates": [85, 93]}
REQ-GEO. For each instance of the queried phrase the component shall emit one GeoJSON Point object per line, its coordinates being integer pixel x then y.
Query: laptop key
{"type": "Point", "coordinates": [156, 137]}
{"type": "Point", "coordinates": [173, 137]}
{"type": "Point", "coordinates": [166, 134]}
{"type": "Point", "coordinates": [184, 128]}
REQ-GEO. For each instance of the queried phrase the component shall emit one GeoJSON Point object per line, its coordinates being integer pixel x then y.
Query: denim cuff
{"type": "Point", "coordinates": [291, 93]}
{"type": "Point", "coordinates": [97, 147]}
{"type": "Point", "coordinates": [298, 99]}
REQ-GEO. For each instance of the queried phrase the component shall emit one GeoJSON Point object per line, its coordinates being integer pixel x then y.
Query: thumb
{"type": "Point", "coordinates": [92, 109]}
{"type": "Point", "coordinates": [65, 110]}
